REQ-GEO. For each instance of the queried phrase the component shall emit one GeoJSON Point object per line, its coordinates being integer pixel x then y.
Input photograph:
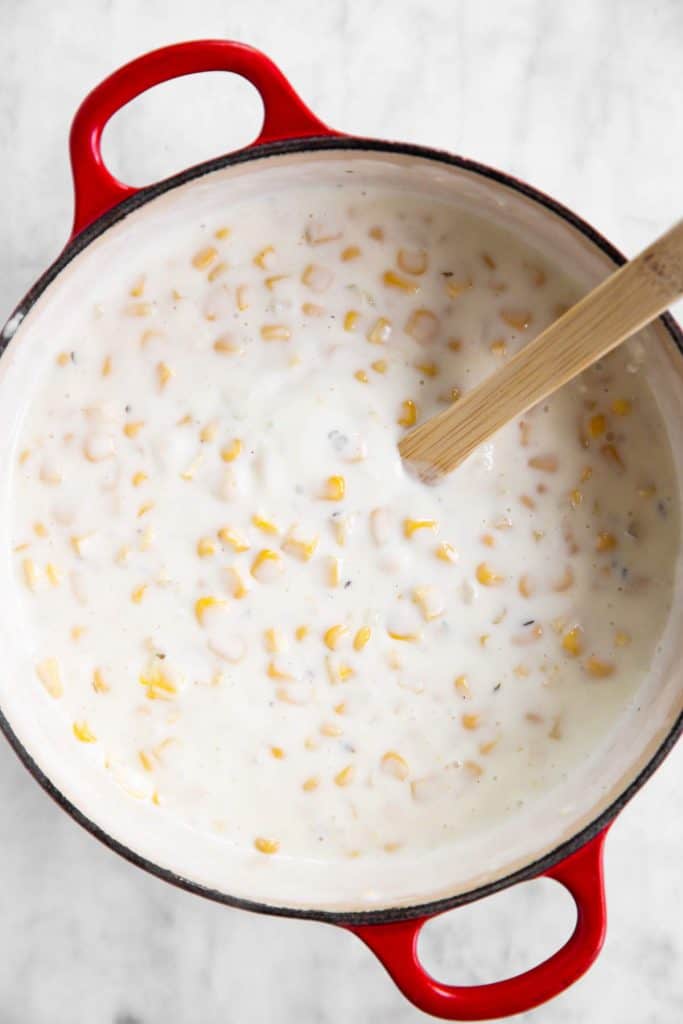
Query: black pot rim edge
{"type": "Point", "coordinates": [77, 245]}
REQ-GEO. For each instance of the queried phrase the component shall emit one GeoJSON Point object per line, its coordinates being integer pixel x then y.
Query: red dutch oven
{"type": "Point", "coordinates": [571, 853]}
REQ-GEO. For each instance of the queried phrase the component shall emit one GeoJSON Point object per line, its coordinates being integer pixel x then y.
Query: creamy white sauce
{"type": "Point", "coordinates": [508, 614]}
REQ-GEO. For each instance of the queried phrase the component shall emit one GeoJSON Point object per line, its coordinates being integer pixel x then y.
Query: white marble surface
{"type": "Point", "coordinates": [583, 100]}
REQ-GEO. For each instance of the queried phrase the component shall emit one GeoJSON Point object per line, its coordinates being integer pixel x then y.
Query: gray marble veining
{"type": "Point", "coordinates": [583, 100]}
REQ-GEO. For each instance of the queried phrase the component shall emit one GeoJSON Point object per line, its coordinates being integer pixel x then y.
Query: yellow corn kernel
{"type": "Point", "coordinates": [133, 429]}
{"type": "Point", "coordinates": [205, 547]}
{"type": "Point", "coordinates": [393, 280]}
{"type": "Point", "coordinates": [270, 282]}
{"type": "Point", "coordinates": [621, 638]}
{"type": "Point", "coordinates": [139, 309]}
{"type": "Point", "coordinates": [82, 732]}
{"type": "Point", "coordinates": [216, 271]}
{"type": "Point", "coordinates": [222, 233]}
{"type": "Point", "coordinates": [377, 233]}
{"type": "Point", "coordinates": [202, 259]}
{"type": "Point", "coordinates": [606, 541]}
{"type": "Point", "coordinates": [362, 376]}
{"type": "Point", "coordinates": [545, 463]}
{"type": "Point", "coordinates": [53, 574]}
{"type": "Point", "coordinates": [274, 640]}
{"type": "Point", "coordinates": [517, 318]}
{"type": "Point", "coordinates": [575, 498]}
{"type": "Point", "coordinates": [345, 776]}
{"type": "Point", "coordinates": [157, 683]}
{"type": "Point", "coordinates": [524, 586]}
{"type": "Point", "coordinates": [572, 642]}
{"type": "Point", "coordinates": [301, 632]}
{"type": "Point", "coordinates": [412, 261]}
{"type": "Point", "coordinates": [99, 684]}
{"type": "Point", "coordinates": [487, 577]}
{"type": "Point", "coordinates": [308, 785]}
{"type": "Point", "coordinates": [611, 453]}
{"type": "Point", "coordinates": [232, 537]}
{"type": "Point", "coordinates": [265, 525]}
{"type": "Point", "coordinates": [334, 489]}
{"type": "Point", "coordinates": [351, 319]}
{"type": "Point", "coordinates": [203, 604]}
{"type": "Point", "coordinates": [208, 432]}
{"type": "Point", "coordinates": [408, 638]}
{"type": "Point", "coordinates": [597, 425]}
{"type": "Point", "coordinates": [146, 761]}
{"type": "Point", "coordinates": [225, 346]}
{"type": "Point", "coordinates": [455, 288]}
{"type": "Point", "coordinates": [408, 416]}
{"type": "Point", "coordinates": [138, 593]}
{"type": "Point", "coordinates": [262, 258]}
{"type": "Point", "coordinates": [428, 369]}
{"type": "Point", "coordinates": [333, 635]}
{"type": "Point", "coordinates": [232, 451]}
{"type": "Point", "coordinates": [393, 764]}
{"type": "Point", "coordinates": [273, 672]}
{"type": "Point", "coordinates": [277, 752]}
{"type": "Point", "coordinates": [429, 603]}
{"type": "Point", "coordinates": [422, 325]}
{"type": "Point", "coordinates": [380, 331]}
{"type": "Point", "coordinates": [462, 686]}
{"type": "Point", "coordinates": [40, 529]}
{"type": "Point", "coordinates": [488, 540]}
{"type": "Point", "coordinates": [63, 359]}
{"type": "Point", "coordinates": [24, 456]}
{"type": "Point", "coordinates": [351, 252]}
{"type": "Point", "coordinates": [380, 365]}
{"type": "Point", "coordinates": [498, 347]}
{"type": "Point", "coordinates": [470, 722]}
{"type": "Point", "coordinates": [597, 668]}
{"type": "Point", "coordinates": [299, 548]}
{"type": "Point", "coordinates": [446, 552]}
{"type": "Point", "coordinates": [621, 407]}
{"type": "Point", "coordinates": [30, 573]}
{"type": "Point", "coordinates": [236, 583]}
{"type": "Point", "coordinates": [330, 729]}
{"type": "Point", "coordinates": [275, 332]}
{"type": "Point", "coordinates": [106, 366]}
{"type": "Point", "coordinates": [266, 845]}
{"type": "Point", "coordinates": [411, 526]}
{"type": "Point", "coordinates": [361, 638]}
{"type": "Point", "coordinates": [334, 572]}
{"type": "Point", "coordinates": [138, 288]}
{"type": "Point", "coordinates": [138, 478]}
{"type": "Point", "coordinates": [265, 557]}
{"type": "Point", "coordinates": [49, 673]}
{"type": "Point", "coordinates": [146, 507]}
{"type": "Point", "coordinates": [242, 297]}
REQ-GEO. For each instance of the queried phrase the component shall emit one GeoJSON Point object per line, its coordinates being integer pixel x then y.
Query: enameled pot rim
{"type": "Point", "coordinates": [80, 243]}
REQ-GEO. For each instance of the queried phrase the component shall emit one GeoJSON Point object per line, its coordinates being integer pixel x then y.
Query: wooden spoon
{"type": "Point", "coordinates": [630, 298]}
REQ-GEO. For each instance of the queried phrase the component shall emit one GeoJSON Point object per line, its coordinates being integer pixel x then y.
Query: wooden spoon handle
{"type": "Point", "coordinates": [630, 298]}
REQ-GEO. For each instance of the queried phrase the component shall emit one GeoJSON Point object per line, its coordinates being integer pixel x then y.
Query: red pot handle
{"type": "Point", "coordinates": [286, 116]}
{"type": "Point", "coordinates": [395, 945]}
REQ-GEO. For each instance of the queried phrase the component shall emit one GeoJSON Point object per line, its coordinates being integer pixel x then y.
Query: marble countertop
{"type": "Point", "coordinates": [583, 100]}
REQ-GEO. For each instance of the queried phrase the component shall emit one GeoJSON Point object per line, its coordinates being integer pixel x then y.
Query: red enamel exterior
{"type": "Point", "coordinates": [287, 117]}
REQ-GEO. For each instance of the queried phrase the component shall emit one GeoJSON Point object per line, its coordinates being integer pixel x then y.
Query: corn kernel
{"type": "Point", "coordinates": [393, 280]}
{"type": "Point", "coordinates": [138, 593]}
{"type": "Point", "coordinates": [412, 261]}
{"type": "Point", "coordinates": [146, 507]}
{"type": "Point", "coordinates": [236, 583]}
{"type": "Point", "coordinates": [428, 369]}
{"type": "Point", "coordinates": [202, 606]}
{"type": "Point", "coordinates": [345, 776]}
{"type": "Point", "coordinates": [333, 571]}
{"type": "Point", "coordinates": [462, 686]}
{"type": "Point", "coordinates": [30, 573]}
{"type": "Point", "coordinates": [621, 638]}
{"type": "Point", "coordinates": [572, 642]}
{"type": "Point", "coordinates": [361, 638]}
{"type": "Point", "coordinates": [202, 259]}
{"type": "Point", "coordinates": [49, 673]}
{"type": "Point", "coordinates": [446, 552]}
{"type": "Point", "coordinates": [53, 574]}
{"type": "Point", "coordinates": [408, 416]}
{"type": "Point", "coordinates": [351, 319]}
{"type": "Point", "coordinates": [275, 332]}
{"type": "Point", "coordinates": [265, 525]}
{"type": "Point", "coordinates": [138, 478]}
{"type": "Point", "coordinates": [605, 542]}
{"type": "Point", "coordinates": [362, 376]}
{"type": "Point", "coordinates": [232, 537]}
{"type": "Point", "coordinates": [232, 451]}
{"type": "Point", "coordinates": [470, 721]}
{"type": "Point", "coordinates": [274, 672]}
{"type": "Point", "coordinates": [266, 566]}
{"type": "Point", "coordinates": [524, 586]}
{"type": "Point", "coordinates": [139, 309]}
{"type": "Point", "coordinates": [266, 845]}
{"type": "Point", "coordinates": [301, 632]}
{"type": "Point", "coordinates": [487, 577]}
{"type": "Point", "coordinates": [217, 271]}
{"type": "Point", "coordinates": [205, 547]}
{"type": "Point", "coordinates": [330, 729]}
{"type": "Point", "coordinates": [274, 640]}
{"type": "Point", "coordinates": [334, 489]}
{"type": "Point", "coordinates": [277, 752]}
{"type": "Point", "coordinates": [422, 325]}
{"type": "Point", "coordinates": [597, 425]}
{"type": "Point", "coordinates": [621, 407]}
{"type": "Point", "coordinates": [222, 233]}
{"type": "Point", "coordinates": [133, 429]}
{"type": "Point", "coordinates": [545, 463]}
{"type": "Point", "coordinates": [208, 432]}
{"type": "Point", "coordinates": [611, 453]}
{"type": "Point", "coordinates": [63, 359]}
{"type": "Point", "coordinates": [82, 732]}
{"type": "Point", "coordinates": [408, 638]}
{"type": "Point", "coordinates": [333, 635]}
{"type": "Point", "coordinates": [263, 258]}
{"type": "Point", "coordinates": [597, 668]}
{"type": "Point", "coordinates": [380, 332]}
{"type": "Point", "coordinates": [395, 765]}
{"type": "Point", "coordinates": [99, 684]}
{"type": "Point", "coordinates": [380, 366]}
{"type": "Point", "coordinates": [106, 366]}
{"type": "Point", "coordinates": [517, 318]}
{"type": "Point", "coordinates": [308, 785]}
{"type": "Point", "coordinates": [351, 252]}
{"type": "Point", "coordinates": [145, 760]}
{"type": "Point", "coordinates": [498, 347]}
{"type": "Point", "coordinates": [456, 288]}
{"type": "Point", "coordinates": [411, 526]}
{"type": "Point", "coordinates": [225, 346]}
